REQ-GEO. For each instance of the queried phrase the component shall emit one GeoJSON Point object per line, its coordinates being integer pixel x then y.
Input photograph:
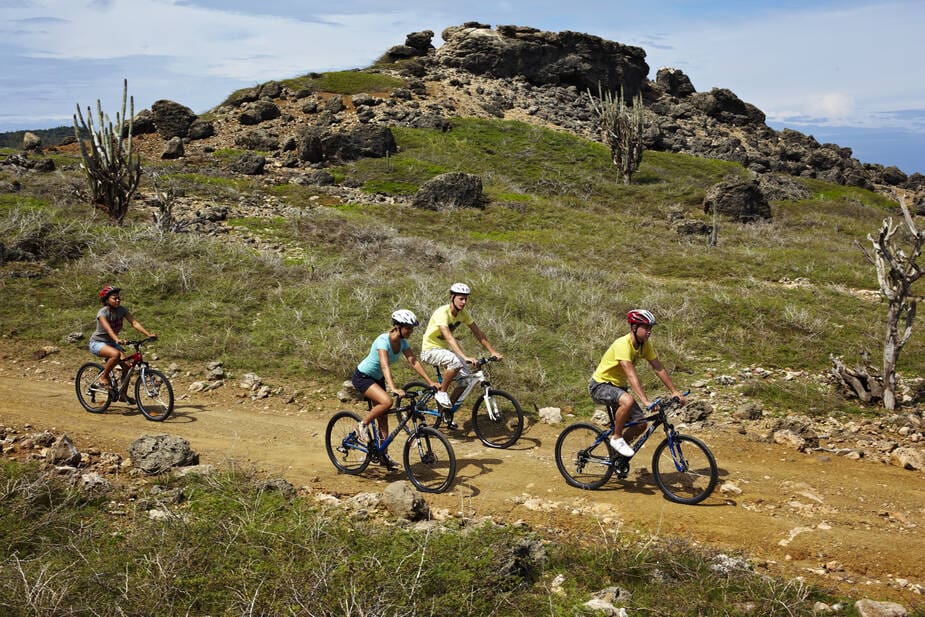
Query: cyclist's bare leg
{"type": "Point", "coordinates": [113, 357]}
{"type": "Point", "coordinates": [622, 416]}
{"type": "Point", "coordinates": [457, 392]}
{"type": "Point", "coordinates": [449, 374]}
{"type": "Point", "coordinates": [382, 402]}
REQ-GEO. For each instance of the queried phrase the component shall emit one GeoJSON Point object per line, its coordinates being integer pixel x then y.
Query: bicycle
{"type": "Point", "coordinates": [497, 418]}
{"type": "Point", "coordinates": [683, 466]}
{"type": "Point", "coordinates": [153, 392]}
{"type": "Point", "coordinates": [428, 457]}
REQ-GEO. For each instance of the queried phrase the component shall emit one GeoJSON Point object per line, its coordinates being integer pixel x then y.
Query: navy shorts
{"type": "Point", "coordinates": [362, 382]}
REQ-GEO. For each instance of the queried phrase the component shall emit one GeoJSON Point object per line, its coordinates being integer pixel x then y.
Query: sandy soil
{"type": "Point", "coordinates": [850, 524]}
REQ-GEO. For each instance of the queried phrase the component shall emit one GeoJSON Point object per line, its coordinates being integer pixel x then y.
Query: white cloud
{"type": "Point", "coordinates": [832, 105]}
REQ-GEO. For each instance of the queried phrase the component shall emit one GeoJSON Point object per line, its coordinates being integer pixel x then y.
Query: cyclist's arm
{"type": "Point", "coordinates": [454, 344]}
{"type": "Point", "coordinates": [662, 373]}
{"type": "Point", "coordinates": [418, 368]}
{"type": "Point", "coordinates": [634, 382]}
{"type": "Point", "coordinates": [387, 373]}
{"type": "Point", "coordinates": [137, 325]}
{"type": "Point", "coordinates": [483, 340]}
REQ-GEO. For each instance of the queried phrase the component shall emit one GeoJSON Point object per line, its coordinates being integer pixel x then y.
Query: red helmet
{"type": "Point", "coordinates": [107, 291]}
{"type": "Point", "coordinates": [640, 317]}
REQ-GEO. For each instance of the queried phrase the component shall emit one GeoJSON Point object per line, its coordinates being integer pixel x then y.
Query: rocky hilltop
{"type": "Point", "coordinates": [510, 72]}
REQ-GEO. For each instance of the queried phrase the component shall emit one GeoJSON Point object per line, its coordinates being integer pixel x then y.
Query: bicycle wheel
{"type": "Point", "coordinates": [428, 409]}
{"type": "Point", "coordinates": [93, 396]}
{"type": "Point", "coordinates": [583, 456]}
{"type": "Point", "coordinates": [340, 440]}
{"type": "Point", "coordinates": [153, 395]}
{"type": "Point", "coordinates": [499, 420]}
{"type": "Point", "coordinates": [429, 460]}
{"type": "Point", "coordinates": [687, 472]}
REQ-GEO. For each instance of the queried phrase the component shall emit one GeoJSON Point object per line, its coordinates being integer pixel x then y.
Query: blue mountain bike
{"type": "Point", "coordinates": [683, 466]}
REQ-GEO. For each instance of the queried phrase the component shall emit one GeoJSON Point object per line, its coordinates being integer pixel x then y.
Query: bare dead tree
{"type": "Point", "coordinates": [622, 128]}
{"type": "Point", "coordinates": [897, 270]}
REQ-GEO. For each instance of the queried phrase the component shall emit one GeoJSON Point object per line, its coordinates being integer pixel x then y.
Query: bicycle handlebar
{"type": "Point", "coordinates": [479, 363]}
{"type": "Point", "coordinates": [659, 402]}
{"type": "Point", "coordinates": [137, 344]}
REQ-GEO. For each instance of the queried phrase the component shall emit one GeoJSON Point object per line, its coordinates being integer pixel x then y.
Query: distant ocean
{"type": "Point", "coordinates": [903, 149]}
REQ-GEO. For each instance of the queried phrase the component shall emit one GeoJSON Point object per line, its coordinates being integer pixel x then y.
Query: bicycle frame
{"type": "Point", "coordinates": [659, 418]}
{"type": "Point", "coordinates": [381, 445]}
{"type": "Point", "coordinates": [476, 378]}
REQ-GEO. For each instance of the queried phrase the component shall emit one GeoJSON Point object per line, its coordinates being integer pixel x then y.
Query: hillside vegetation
{"type": "Point", "coordinates": [555, 260]}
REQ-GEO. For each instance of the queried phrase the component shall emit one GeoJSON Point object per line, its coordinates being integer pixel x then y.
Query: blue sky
{"type": "Point", "coordinates": [846, 72]}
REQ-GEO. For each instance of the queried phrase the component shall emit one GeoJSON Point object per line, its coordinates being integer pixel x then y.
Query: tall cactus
{"type": "Point", "coordinates": [113, 170]}
{"type": "Point", "coordinates": [622, 130]}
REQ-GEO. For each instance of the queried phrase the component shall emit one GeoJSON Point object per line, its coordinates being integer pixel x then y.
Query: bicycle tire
{"type": "Point", "coordinates": [429, 460]}
{"type": "Point", "coordinates": [501, 425]}
{"type": "Point", "coordinates": [583, 464]}
{"type": "Point", "coordinates": [92, 395]}
{"type": "Point", "coordinates": [434, 417]}
{"type": "Point", "coordinates": [154, 395]}
{"type": "Point", "coordinates": [688, 475]}
{"type": "Point", "coordinates": [345, 452]}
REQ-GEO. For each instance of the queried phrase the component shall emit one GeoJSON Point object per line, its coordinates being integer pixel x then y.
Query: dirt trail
{"type": "Point", "coordinates": [852, 524]}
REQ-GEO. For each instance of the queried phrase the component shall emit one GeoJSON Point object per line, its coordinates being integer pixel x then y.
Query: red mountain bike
{"type": "Point", "coordinates": [153, 392]}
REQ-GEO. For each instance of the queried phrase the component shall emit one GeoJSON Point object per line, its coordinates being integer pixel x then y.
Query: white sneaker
{"type": "Point", "coordinates": [622, 448]}
{"type": "Point", "coordinates": [443, 398]}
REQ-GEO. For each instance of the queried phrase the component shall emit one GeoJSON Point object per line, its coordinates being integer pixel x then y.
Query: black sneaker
{"type": "Point", "coordinates": [387, 461]}
{"type": "Point", "coordinates": [448, 420]}
{"type": "Point", "coordinates": [127, 399]}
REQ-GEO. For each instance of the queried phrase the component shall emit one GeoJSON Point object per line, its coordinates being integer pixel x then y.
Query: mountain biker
{"type": "Point", "coordinates": [105, 341]}
{"type": "Point", "coordinates": [373, 375]}
{"type": "Point", "coordinates": [441, 348]}
{"type": "Point", "coordinates": [617, 368]}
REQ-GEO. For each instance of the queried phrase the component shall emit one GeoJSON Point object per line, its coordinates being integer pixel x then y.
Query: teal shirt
{"type": "Point", "coordinates": [371, 365]}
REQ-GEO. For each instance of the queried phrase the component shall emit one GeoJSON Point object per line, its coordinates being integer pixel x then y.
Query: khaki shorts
{"type": "Point", "coordinates": [446, 359]}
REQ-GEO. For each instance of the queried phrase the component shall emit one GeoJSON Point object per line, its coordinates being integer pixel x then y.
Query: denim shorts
{"type": "Point", "coordinates": [97, 346]}
{"type": "Point", "coordinates": [609, 394]}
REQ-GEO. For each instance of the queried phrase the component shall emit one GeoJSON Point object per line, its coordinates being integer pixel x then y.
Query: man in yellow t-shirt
{"type": "Point", "coordinates": [616, 373]}
{"type": "Point", "coordinates": [441, 348]}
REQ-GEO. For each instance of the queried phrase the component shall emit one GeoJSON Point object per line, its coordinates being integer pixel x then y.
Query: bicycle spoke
{"type": "Point", "coordinates": [346, 453]}
{"type": "Point", "coordinates": [154, 395]}
{"type": "Point", "coordinates": [684, 470]}
{"type": "Point", "coordinates": [429, 461]}
{"type": "Point", "coordinates": [92, 395]}
{"type": "Point", "coordinates": [498, 419]}
{"type": "Point", "coordinates": [582, 457]}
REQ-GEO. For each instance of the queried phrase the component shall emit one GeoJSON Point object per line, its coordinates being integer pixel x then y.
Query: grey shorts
{"type": "Point", "coordinates": [609, 394]}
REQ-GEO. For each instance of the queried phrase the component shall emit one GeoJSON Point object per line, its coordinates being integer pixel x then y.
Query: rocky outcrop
{"type": "Point", "coordinates": [544, 58]}
{"type": "Point", "coordinates": [738, 199]}
{"type": "Point", "coordinates": [172, 119]}
{"type": "Point", "coordinates": [449, 191]}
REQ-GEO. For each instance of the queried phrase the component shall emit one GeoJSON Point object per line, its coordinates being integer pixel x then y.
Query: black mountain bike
{"type": "Point", "coordinates": [153, 393]}
{"type": "Point", "coordinates": [428, 457]}
{"type": "Point", "coordinates": [683, 466]}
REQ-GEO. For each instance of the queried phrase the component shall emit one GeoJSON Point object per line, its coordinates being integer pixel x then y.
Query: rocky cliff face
{"type": "Point", "coordinates": [546, 74]}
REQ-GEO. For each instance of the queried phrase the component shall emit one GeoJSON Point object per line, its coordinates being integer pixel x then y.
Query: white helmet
{"type": "Point", "coordinates": [460, 289]}
{"type": "Point", "coordinates": [404, 317]}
